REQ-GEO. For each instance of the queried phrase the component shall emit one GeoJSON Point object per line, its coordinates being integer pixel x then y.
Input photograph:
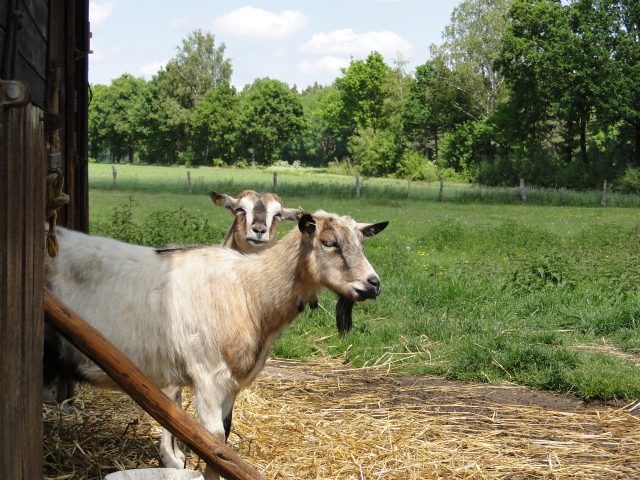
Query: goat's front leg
{"type": "Point", "coordinates": [226, 421]}
{"type": "Point", "coordinates": [213, 408]}
{"type": "Point", "coordinates": [170, 453]}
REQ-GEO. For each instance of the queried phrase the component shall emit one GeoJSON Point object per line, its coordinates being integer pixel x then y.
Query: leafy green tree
{"type": "Point", "coordinates": [374, 152]}
{"type": "Point", "coordinates": [155, 127]}
{"type": "Point", "coordinates": [472, 43]}
{"type": "Point", "coordinates": [363, 94]}
{"type": "Point", "coordinates": [556, 64]}
{"type": "Point", "coordinates": [100, 129]}
{"type": "Point", "coordinates": [468, 146]}
{"type": "Point", "coordinates": [396, 87]}
{"type": "Point", "coordinates": [198, 66]}
{"type": "Point", "coordinates": [271, 117]}
{"type": "Point", "coordinates": [336, 129]}
{"type": "Point", "coordinates": [214, 125]}
{"type": "Point", "coordinates": [620, 24]}
{"type": "Point", "coordinates": [433, 106]}
{"type": "Point", "coordinates": [113, 122]}
{"type": "Point", "coordinates": [316, 144]}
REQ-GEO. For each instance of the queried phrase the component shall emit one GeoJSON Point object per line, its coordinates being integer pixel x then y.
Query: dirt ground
{"type": "Point", "coordinates": [321, 420]}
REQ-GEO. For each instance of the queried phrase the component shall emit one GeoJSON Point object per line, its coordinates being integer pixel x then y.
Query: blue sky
{"type": "Point", "coordinates": [298, 42]}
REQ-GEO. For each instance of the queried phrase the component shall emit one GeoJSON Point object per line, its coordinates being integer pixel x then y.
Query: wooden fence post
{"type": "Point", "coordinates": [523, 195]}
{"type": "Point", "coordinates": [441, 192]}
{"type": "Point", "coordinates": [357, 184]}
{"type": "Point", "coordinates": [603, 195]}
{"type": "Point", "coordinates": [274, 185]}
{"type": "Point", "coordinates": [189, 186]}
{"type": "Point", "coordinates": [114, 174]}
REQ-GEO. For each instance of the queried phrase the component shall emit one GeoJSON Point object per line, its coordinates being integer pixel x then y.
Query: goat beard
{"type": "Point", "coordinates": [344, 309]}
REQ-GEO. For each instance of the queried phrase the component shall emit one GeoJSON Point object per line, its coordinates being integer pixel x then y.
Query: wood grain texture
{"type": "Point", "coordinates": [21, 273]}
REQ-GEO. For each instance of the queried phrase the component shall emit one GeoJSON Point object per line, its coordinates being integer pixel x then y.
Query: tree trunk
{"type": "Point", "coordinates": [568, 143]}
{"type": "Point", "coordinates": [435, 144]}
{"type": "Point", "coordinates": [583, 140]}
{"type": "Point", "coordinates": [636, 159]}
{"type": "Point", "coordinates": [130, 154]}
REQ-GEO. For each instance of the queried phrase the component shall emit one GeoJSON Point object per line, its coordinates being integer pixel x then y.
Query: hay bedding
{"type": "Point", "coordinates": [320, 421]}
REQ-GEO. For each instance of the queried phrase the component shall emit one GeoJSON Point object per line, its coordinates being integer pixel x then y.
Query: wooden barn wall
{"type": "Point", "coordinates": [24, 32]}
{"type": "Point", "coordinates": [43, 43]}
{"type": "Point", "coordinates": [21, 271]}
{"type": "Point", "coordinates": [67, 98]}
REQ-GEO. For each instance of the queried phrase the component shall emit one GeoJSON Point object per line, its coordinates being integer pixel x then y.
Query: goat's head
{"type": "Point", "coordinates": [257, 217]}
{"type": "Point", "coordinates": [337, 258]}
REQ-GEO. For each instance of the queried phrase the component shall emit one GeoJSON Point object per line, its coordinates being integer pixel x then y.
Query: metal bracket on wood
{"type": "Point", "coordinates": [14, 93]}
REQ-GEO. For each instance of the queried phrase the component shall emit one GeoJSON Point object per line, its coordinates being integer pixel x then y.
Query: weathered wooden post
{"type": "Point", "coordinates": [441, 192]}
{"type": "Point", "coordinates": [523, 194]}
{"type": "Point", "coordinates": [357, 184]}
{"type": "Point", "coordinates": [189, 186]}
{"type": "Point", "coordinates": [274, 185]}
{"type": "Point", "coordinates": [603, 195]}
{"type": "Point", "coordinates": [114, 174]}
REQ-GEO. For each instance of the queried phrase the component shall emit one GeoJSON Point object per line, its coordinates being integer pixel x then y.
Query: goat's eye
{"type": "Point", "coordinates": [278, 216]}
{"type": "Point", "coordinates": [239, 210]}
{"type": "Point", "coordinates": [329, 243]}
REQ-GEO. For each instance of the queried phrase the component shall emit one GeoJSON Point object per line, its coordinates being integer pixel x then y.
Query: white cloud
{"type": "Point", "coordinates": [258, 23]}
{"type": "Point", "coordinates": [99, 12]}
{"type": "Point", "coordinates": [347, 42]}
{"type": "Point", "coordinates": [150, 69]}
{"type": "Point", "coordinates": [328, 63]}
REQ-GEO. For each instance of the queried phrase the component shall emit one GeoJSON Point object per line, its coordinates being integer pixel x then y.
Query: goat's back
{"type": "Point", "coordinates": [155, 306]}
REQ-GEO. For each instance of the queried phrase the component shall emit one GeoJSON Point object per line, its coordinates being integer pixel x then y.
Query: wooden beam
{"type": "Point", "coordinates": [131, 379]}
{"type": "Point", "coordinates": [21, 280]}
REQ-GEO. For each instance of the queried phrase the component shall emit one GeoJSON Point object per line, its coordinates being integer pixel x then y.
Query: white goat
{"type": "Point", "coordinates": [206, 316]}
{"type": "Point", "coordinates": [254, 228]}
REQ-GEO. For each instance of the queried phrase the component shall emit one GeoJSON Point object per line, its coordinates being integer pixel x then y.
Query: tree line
{"type": "Point", "coordinates": [541, 89]}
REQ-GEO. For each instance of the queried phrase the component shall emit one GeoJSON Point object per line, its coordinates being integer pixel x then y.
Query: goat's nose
{"type": "Point", "coordinates": [260, 228]}
{"type": "Point", "coordinates": [374, 281]}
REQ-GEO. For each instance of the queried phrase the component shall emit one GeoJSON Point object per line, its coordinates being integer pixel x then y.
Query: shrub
{"type": "Point", "coordinates": [630, 181]}
{"type": "Point", "coordinates": [374, 152]}
{"type": "Point", "coordinates": [163, 227]}
{"type": "Point", "coordinates": [343, 167]}
{"type": "Point", "coordinates": [415, 166]}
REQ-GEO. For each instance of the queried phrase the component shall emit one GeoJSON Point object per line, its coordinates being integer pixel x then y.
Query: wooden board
{"type": "Point", "coordinates": [21, 276]}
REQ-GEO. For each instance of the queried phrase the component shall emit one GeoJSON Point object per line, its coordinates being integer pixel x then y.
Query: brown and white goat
{"type": "Point", "coordinates": [255, 226]}
{"type": "Point", "coordinates": [202, 316]}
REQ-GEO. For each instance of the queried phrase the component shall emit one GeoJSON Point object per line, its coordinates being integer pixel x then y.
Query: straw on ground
{"type": "Point", "coordinates": [320, 420]}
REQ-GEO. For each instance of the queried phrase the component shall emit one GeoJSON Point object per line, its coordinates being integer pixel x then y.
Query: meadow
{"type": "Point", "coordinates": [476, 287]}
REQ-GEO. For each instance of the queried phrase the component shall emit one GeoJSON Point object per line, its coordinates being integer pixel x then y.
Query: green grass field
{"type": "Point", "coordinates": [473, 289]}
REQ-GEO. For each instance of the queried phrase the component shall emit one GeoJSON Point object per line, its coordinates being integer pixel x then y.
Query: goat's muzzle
{"type": "Point", "coordinates": [371, 290]}
{"type": "Point", "coordinates": [257, 242]}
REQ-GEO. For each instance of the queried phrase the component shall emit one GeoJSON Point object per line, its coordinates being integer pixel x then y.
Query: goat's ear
{"type": "Point", "coordinates": [307, 224]}
{"type": "Point", "coordinates": [371, 229]}
{"type": "Point", "coordinates": [223, 200]}
{"type": "Point", "coordinates": [293, 214]}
